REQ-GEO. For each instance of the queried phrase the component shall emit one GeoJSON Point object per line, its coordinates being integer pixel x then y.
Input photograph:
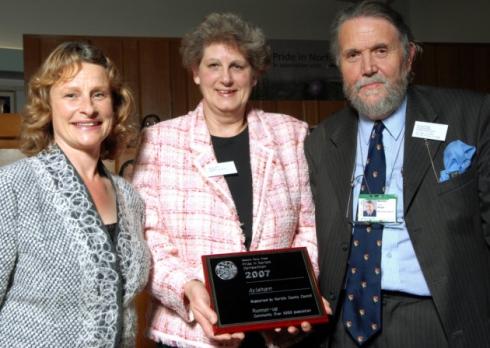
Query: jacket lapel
{"type": "Point", "coordinates": [131, 247]}
{"type": "Point", "coordinates": [261, 159]}
{"type": "Point", "coordinates": [261, 156]}
{"type": "Point", "coordinates": [417, 163]}
{"type": "Point", "coordinates": [340, 154]}
{"type": "Point", "coordinates": [203, 157]}
{"type": "Point", "coordinates": [67, 195]}
{"type": "Point", "coordinates": [341, 151]}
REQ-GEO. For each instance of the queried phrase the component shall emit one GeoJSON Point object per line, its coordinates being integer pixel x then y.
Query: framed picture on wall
{"type": "Point", "coordinates": [7, 102]}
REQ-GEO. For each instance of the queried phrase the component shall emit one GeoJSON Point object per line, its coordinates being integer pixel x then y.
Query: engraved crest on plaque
{"type": "Point", "coordinates": [226, 270]}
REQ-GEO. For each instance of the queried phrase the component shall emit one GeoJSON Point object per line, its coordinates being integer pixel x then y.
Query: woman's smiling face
{"type": "Point", "coordinates": [226, 80]}
{"type": "Point", "coordinates": [82, 110]}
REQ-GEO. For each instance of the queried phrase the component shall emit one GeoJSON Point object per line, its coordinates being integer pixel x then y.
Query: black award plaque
{"type": "Point", "coordinates": [262, 290]}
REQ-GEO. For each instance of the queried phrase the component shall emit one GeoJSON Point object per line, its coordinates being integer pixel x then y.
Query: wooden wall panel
{"type": "Point", "coordinates": [32, 56]}
{"type": "Point", "coordinates": [143, 303]}
{"type": "Point", "coordinates": [10, 126]}
{"type": "Point", "coordinates": [466, 57]}
{"type": "Point", "coordinates": [131, 73]}
{"type": "Point", "coordinates": [310, 111]}
{"type": "Point", "coordinates": [9, 143]}
{"type": "Point", "coordinates": [9, 136]}
{"type": "Point", "coordinates": [423, 67]}
{"type": "Point", "coordinates": [448, 60]}
{"type": "Point", "coordinates": [154, 73]}
{"type": "Point", "coordinates": [49, 44]}
{"type": "Point", "coordinates": [266, 105]}
{"type": "Point", "coordinates": [152, 67]}
{"type": "Point", "coordinates": [482, 68]}
{"type": "Point", "coordinates": [112, 48]}
{"type": "Point", "coordinates": [179, 80]}
{"type": "Point", "coordinates": [290, 107]}
{"type": "Point", "coordinates": [454, 65]}
{"type": "Point", "coordinates": [328, 107]}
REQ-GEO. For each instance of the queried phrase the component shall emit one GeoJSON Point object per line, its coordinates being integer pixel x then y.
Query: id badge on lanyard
{"type": "Point", "coordinates": [376, 208]}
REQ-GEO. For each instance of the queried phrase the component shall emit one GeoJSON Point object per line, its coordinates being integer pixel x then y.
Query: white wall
{"type": "Point", "coordinates": [280, 19]}
{"type": "Point", "coordinates": [431, 20]}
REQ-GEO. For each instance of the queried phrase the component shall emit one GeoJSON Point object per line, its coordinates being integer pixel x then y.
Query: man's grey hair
{"type": "Point", "coordinates": [374, 9]}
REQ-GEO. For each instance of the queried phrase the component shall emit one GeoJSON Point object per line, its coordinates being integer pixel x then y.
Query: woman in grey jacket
{"type": "Point", "coordinates": [72, 254]}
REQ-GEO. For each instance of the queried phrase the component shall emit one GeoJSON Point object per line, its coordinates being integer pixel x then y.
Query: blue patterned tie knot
{"type": "Point", "coordinates": [375, 170]}
{"type": "Point", "coordinates": [362, 304]}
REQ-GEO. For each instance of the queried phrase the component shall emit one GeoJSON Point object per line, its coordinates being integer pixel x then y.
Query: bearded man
{"type": "Point", "coordinates": [420, 275]}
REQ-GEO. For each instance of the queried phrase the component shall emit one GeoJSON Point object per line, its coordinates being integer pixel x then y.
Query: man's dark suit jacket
{"type": "Point", "coordinates": [448, 222]}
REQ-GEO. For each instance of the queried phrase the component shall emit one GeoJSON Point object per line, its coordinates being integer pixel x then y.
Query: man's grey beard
{"type": "Point", "coordinates": [387, 105]}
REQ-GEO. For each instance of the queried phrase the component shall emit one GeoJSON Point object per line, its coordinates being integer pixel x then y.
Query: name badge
{"type": "Point", "coordinates": [223, 168]}
{"type": "Point", "coordinates": [376, 208]}
{"type": "Point", "coordinates": [429, 130]}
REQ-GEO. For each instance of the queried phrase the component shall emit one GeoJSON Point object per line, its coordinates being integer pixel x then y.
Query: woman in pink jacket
{"type": "Point", "coordinates": [223, 178]}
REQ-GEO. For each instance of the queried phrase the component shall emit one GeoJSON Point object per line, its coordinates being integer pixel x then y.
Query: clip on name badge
{"type": "Point", "coordinates": [222, 168]}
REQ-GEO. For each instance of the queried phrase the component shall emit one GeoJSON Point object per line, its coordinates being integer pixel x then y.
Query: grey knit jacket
{"type": "Point", "coordinates": [61, 277]}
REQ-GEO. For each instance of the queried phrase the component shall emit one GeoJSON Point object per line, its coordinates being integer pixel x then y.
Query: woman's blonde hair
{"type": "Point", "coordinates": [63, 64]}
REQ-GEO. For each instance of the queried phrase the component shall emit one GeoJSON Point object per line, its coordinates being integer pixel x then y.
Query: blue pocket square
{"type": "Point", "coordinates": [457, 158]}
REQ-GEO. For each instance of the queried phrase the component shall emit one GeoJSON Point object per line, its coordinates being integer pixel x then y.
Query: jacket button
{"type": "Point", "coordinates": [345, 246]}
{"type": "Point", "coordinates": [331, 296]}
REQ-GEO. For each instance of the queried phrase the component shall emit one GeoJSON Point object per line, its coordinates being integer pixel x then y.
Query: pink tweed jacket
{"type": "Point", "coordinates": [189, 214]}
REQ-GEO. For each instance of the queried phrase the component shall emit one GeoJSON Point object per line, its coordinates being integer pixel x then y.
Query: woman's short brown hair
{"type": "Point", "coordinates": [230, 29]}
{"type": "Point", "coordinates": [62, 64]}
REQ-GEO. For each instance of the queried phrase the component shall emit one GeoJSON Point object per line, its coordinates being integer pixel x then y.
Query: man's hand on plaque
{"type": "Point", "coordinates": [199, 303]}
